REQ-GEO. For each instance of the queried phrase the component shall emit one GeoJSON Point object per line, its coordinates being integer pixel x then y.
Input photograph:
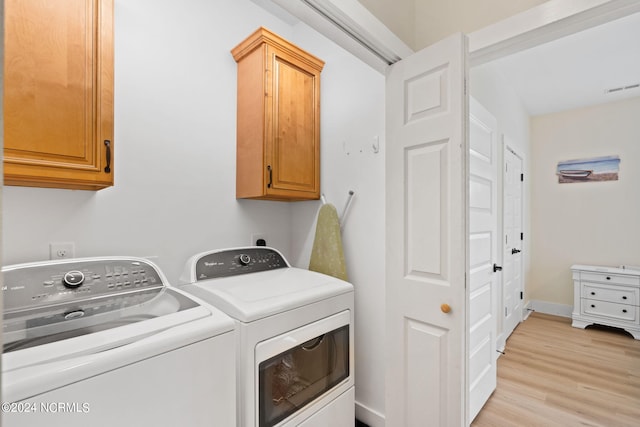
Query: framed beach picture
{"type": "Point", "coordinates": [586, 170]}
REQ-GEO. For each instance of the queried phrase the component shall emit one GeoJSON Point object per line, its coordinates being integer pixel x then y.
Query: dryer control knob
{"type": "Point", "coordinates": [244, 259]}
{"type": "Point", "coordinates": [73, 279]}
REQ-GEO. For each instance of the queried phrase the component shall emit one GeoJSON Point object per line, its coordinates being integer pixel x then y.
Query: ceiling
{"type": "Point", "coordinates": [577, 70]}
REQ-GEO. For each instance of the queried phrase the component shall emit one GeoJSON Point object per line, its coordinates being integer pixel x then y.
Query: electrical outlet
{"type": "Point", "coordinates": [258, 236]}
{"type": "Point", "coordinates": [61, 250]}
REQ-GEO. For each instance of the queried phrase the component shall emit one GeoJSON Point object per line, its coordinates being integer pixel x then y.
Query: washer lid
{"type": "Point", "coordinates": [253, 296]}
{"type": "Point", "coordinates": [59, 301]}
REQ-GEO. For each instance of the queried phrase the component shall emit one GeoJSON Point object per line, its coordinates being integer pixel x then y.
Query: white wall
{"type": "Point", "coordinates": [420, 23]}
{"type": "Point", "coordinates": [174, 193]}
{"type": "Point", "coordinates": [175, 162]}
{"type": "Point", "coordinates": [584, 223]}
{"type": "Point", "coordinates": [397, 15]}
{"type": "Point", "coordinates": [352, 99]}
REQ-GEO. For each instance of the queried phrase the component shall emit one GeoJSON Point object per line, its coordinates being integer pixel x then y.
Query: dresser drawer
{"type": "Point", "coordinates": [617, 294]}
{"type": "Point", "coordinates": [609, 278]}
{"type": "Point", "coordinates": [610, 310]}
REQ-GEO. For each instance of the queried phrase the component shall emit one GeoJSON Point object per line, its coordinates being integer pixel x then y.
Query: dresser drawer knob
{"type": "Point", "coordinates": [624, 297]}
{"type": "Point", "coordinates": [608, 278]}
{"type": "Point", "coordinates": [624, 310]}
{"type": "Point", "coordinates": [593, 293]}
{"type": "Point", "coordinates": [593, 306]}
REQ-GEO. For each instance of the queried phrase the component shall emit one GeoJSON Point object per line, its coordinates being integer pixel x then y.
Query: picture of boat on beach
{"type": "Point", "coordinates": [587, 170]}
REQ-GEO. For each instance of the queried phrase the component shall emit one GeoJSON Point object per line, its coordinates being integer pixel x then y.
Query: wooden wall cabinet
{"type": "Point", "coordinates": [278, 122]}
{"type": "Point", "coordinates": [58, 94]}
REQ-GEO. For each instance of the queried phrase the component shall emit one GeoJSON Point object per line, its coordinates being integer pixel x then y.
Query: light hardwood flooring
{"type": "Point", "coordinates": [556, 375]}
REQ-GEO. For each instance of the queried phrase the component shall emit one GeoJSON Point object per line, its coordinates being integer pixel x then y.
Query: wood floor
{"type": "Point", "coordinates": [556, 375]}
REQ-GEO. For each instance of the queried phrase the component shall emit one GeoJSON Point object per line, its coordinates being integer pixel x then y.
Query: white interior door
{"type": "Point", "coordinates": [426, 236]}
{"type": "Point", "coordinates": [512, 254]}
{"type": "Point", "coordinates": [483, 246]}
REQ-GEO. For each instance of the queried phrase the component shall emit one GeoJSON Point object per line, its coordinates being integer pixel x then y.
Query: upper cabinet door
{"type": "Point", "coordinates": [278, 123]}
{"type": "Point", "coordinates": [294, 145]}
{"type": "Point", "coordinates": [58, 93]}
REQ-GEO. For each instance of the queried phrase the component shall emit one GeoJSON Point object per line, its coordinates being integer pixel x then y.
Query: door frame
{"type": "Point", "coordinates": [547, 22]}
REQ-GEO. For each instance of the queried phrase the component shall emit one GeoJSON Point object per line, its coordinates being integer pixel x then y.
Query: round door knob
{"type": "Point", "coordinates": [445, 308]}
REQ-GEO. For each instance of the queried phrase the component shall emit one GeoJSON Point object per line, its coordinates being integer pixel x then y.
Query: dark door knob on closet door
{"type": "Point", "coordinates": [515, 251]}
{"type": "Point", "coordinates": [497, 267]}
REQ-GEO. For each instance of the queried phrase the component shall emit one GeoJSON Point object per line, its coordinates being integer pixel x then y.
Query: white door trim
{"type": "Point", "coordinates": [358, 31]}
{"type": "Point", "coordinates": [550, 21]}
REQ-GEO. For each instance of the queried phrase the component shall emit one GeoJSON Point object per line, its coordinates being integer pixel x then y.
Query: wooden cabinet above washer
{"type": "Point", "coordinates": [58, 94]}
{"type": "Point", "coordinates": [278, 119]}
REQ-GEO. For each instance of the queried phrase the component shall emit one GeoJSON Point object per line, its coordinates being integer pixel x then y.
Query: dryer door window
{"type": "Point", "coordinates": [297, 376]}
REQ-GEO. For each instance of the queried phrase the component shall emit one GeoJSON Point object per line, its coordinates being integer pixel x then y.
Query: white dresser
{"type": "Point", "coordinates": [606, 296]}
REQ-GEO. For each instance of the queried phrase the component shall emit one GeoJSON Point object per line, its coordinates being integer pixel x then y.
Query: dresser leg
{"type": "Point", "coordinates": [635, 334]}
{"type": "Point", "coordinates": [580, 324]}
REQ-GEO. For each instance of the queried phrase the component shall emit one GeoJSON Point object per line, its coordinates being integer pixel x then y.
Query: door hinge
{"type": "Point", "coordinates": [521, 236]}
{"type": "Point", "coordinates": [522, 177]}
{"type": "Point", "coordinates": [505, 312]}
{"type": "Point", "coordinates": [521, 295]}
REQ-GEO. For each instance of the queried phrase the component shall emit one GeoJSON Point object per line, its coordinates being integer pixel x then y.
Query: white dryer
{"type": "Point", "coordinates": [105, 342]}
{"type": "Point", "coordinates": [295, 336]}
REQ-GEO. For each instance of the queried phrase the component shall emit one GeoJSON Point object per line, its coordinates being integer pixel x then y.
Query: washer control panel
{"type": "Point", "coordinates": [232, 262]}
{"type": "Point", "coordinates": [48, 283]}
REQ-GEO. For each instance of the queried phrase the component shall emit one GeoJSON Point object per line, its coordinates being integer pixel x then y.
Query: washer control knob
{"type": "Point", "coordinates": [73, 279]}
{"type": "Point", "coordinates": [244, 259]}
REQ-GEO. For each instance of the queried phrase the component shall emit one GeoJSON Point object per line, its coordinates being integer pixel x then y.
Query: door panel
{"type": "Point", "coordinates": [512, 255]}
{"type": "Point", "coordinates": [483, 244]}
{"type": "Point", "coordinates": [426, 236]}
{"type": "Point", "coordinates": [295, 147]}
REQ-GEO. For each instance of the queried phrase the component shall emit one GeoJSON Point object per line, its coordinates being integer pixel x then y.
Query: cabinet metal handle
{"type": "Point", "coordinates": [270, 176]}
{"type": "Point", "coordinates": [107, 144]}
{"type": "Point", "coordinates": [497, 267]}
{"type": "Point", "coordinates": [515, 251]}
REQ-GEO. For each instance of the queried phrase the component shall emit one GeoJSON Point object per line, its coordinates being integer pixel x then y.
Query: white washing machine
{"type": "Point", "coordinates": [105, 342]}
{"type": "Point", "coordinates": [294, 336]}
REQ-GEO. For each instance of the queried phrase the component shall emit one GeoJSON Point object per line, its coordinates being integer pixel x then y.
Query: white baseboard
{"type": "Point", "coordinates": [526, 311]}
{"type": "Point", "coordinates": [556, 309]}
{"type": "Point", "coordinates": [369, 416]}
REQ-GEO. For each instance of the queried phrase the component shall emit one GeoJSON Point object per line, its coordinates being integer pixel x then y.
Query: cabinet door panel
{"type": "Point", "coordinates": [295, 132]}
{"type": "Point", "coordinates": [58, 79]}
